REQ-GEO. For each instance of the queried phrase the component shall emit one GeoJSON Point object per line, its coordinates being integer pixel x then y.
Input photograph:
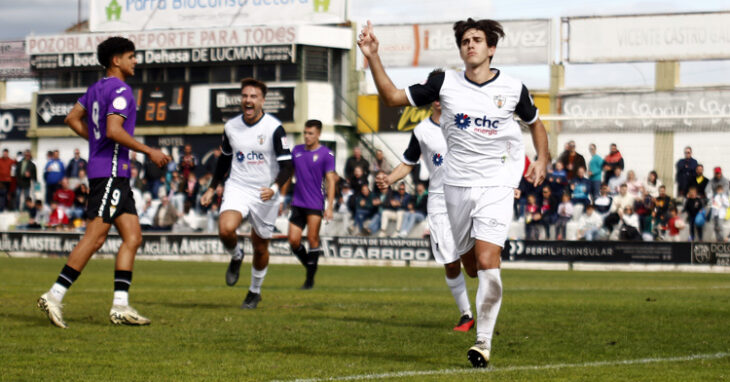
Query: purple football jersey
{"type": "Point", "coordinates": [109, 95]}
{"type": "Point", "coordinates": [310, 168]}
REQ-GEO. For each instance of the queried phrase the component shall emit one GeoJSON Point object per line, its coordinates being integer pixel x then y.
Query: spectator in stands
{"type": "Point", "coordinates": [532, 218]}
{"type": "Point", "coordinates": [58, 219]}
{"type": "Point", "coordinates": [203, 183]}
{"type": "Point", "coordinates": [135, 182]}
{"type": "Point", "coordinates": [633, 185]}
{"type": "Point", "coordinates": [358, 179]}
{"type": "Point", "coordinates": [685, 171]}
{"type": "Point", "coordinates": [6, 179]}
{"type": "Point", "coordinates": [652, 184]}
{"type": "Point", "coordinates": [604, 202]}
{"type": "Point", "coordinates": [364, 209]}
{"type": "Point", "coordinates": [674, 224]}
{"type": "Point", "coordinates": [558, 179]}
{"type": "Point", "coordinates": [612, 161]}
{"type": "Point", "coordinates": [693, 205]}
{"type": "Point", "coordinates": [52, 174]}
{"type": "Point", "coordinates": [663, 203]}
{"type": "Point", "coordinates": [595, 171]}
{"type": "Point", "coordinates": [394, 208]}
{"type": "Point", "coordinates": [81, 178]}
{"type": "Point", "coordinates": [717, 180]}
{"type": "Point", "coordinates": [548, 204]}
{"type": "Point", "coordinates": [380, 164]}
{"type": "Point", "coordinates": [699, 182]}
{"type": "Point", "coordinates": [154, 177]}
{"type": "Point", "coordinates": [571, 160]}
{"type": "Point", "coordinates": [720, 204]}
{"type": "Point", "coordinates": [78, 209]}
{"type": "Point", "coordinates": [589, 224]}
{"type": "Point", "coordinates": [416, 210]}
{"type": "Point", "coordinates": [25, 174]}
{"type": "Point", "coordinates": [580, 188]}
{"type": "Point", "coordinates": [212, 161]}
{"type": "Point", "coordinates": [644, 206]}
{"type": "Point", "coordinates": [650, 227]}
{"type": "Point", "coordinates": [356, 160]}
{"type": "Point", "coordinates": [343, 197]}
{"type": "Point", "coordinates": [30, 208]}
{"type": "Point", "coordinates": [134, 163]}
{"type": "Point", "coordinates": [188, 161]}
{"type": "Point", "coordinates": [618, 179]}
{"type": "Point", "coordinates": [147, 213]}
{"type": "Point", "coordinates": [380, 198]}
{"type": "Point", "coordinates": [213, 212]}
{"type": "Point", "coordinates": [191, 188]}
{"type": "Point", "coordinates": [175, 191]}
{"type": "Point", "coordinates": [629, 229]}
{"type": "Point", "coordinates": [620, 202]}
{"type": "Point", "coordinates": [64, 196]}
{"type": "Point", "coordinates": [75, 164]}
{"type": "Point", "coordinates": [565, 213]}
{"type": "Point", "coordinates": [188, 221]}
{"type": "Point", "coordinates": [165, 216]}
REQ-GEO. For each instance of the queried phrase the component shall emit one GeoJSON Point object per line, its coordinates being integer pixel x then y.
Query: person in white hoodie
{"type": "Point", "coordinates": [720, 204]}
{"type": "Point", "coordinates": [629, 224]}
{"type": "Point", "coordinates": [589, 224]}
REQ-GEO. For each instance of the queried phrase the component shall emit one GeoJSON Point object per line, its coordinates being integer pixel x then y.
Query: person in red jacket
{"type": "Point", "coordinates": [58, 218]}
{"type": "Point", "coordinates": [64, 196]}
{"type": "Point", "coordinates": [6, 178]}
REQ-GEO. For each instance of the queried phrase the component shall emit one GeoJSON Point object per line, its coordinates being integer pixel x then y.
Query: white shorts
{"type": "Point", "coordinates": [261, 214]}
{"type": "Point", "coordinates": [442, 240]}
{"type": "Point", "coordinates": [479, 213]}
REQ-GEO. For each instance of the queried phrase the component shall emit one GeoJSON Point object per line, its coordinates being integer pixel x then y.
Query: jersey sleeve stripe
{"type": "Point", "coordinates": [81, 104]}
{"type": "Point", "coordinates": [410, 98]}
{"type": "Point", "coordinates": [283, 157]}
{"type": "Point", "coordinates": [406, 161]}
{"type": "Point", "coordinates": [537, 114]}
{"type": "Point", "coordinates": [117, 113]}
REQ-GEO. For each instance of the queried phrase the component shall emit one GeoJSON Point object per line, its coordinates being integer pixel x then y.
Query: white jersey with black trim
{"type": "Point", "coordinates": [256, 150]}
{"type": "Point", "coordinates": [429, 145]}
{"type": "Point", "coordinates": [484, 140]}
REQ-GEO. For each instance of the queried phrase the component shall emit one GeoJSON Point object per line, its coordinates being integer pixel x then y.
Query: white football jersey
{"type": "Point", "coordinates": [429, 145]}
{"type": "Point", "coordinates": [256, 150]}
{"type": "Point", "coordinates": [484, 140]}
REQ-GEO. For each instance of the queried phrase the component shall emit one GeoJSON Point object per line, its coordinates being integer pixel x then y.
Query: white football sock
{"type": "Point", "coordinates": [257, 278]}
{"type": "Point", "coordinates": [58, 291]}
{"type": "Point", "coordinates": [235, 252]}
{"type": "Point", "coordinates": [121, 298]}
{"type": "Point", "coordinates": [458, 290]}
{"type": "Point", "coordinates": [489, 300]}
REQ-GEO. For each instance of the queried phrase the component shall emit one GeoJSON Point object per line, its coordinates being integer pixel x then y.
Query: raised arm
{"type": "Point", "coordinates": [368, 44]}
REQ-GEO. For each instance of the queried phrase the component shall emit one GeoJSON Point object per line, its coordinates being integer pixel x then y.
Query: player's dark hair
{"type": "Point", "coordinates": [314, 123]}
{"type": "Point", "coordinates": [255, 83]}
{"type": "Point", "coordinates": [111, 47]}
{"type": "Point", "coordinates": [492, 30]}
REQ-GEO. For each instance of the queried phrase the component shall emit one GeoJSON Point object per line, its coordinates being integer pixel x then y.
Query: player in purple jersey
{"type": "Point", "coordinates": [312, 164]}
{"type": "Point", "coordinates": [105, 116]}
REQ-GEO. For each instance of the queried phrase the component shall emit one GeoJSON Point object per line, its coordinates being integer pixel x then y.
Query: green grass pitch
{"type": "Point", "coordinates": [363, 322]}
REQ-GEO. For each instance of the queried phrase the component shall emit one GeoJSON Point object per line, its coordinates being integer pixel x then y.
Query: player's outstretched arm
{"type": "Point", "coordinates": [115, 131]}
{"type": "Point", "coordinates": [397, 174]}
{"type": "Point", "coordinates": [537, 170]}
{"type": "Point", "coordinates": [368, 44]}
{"type": "Point", "coordinates": [76, 120]}
{"type": "Point", "coordinates": [221, 169]}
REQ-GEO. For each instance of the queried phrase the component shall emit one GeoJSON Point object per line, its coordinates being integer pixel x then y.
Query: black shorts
{"type": "Point", "coordinates": [299, 215]}
{"type": "Point", "coordinates": [109, 198]}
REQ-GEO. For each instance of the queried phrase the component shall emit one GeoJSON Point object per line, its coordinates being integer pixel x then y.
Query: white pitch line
{"type": "Point", "coordinates": [400, 374]}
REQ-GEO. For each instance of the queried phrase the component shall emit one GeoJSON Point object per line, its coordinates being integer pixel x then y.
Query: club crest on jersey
{"type": "Point", "coordinates": [315, 157]}
{"type": "Point", "coordinates": [462, 121]}
{"type": "Point", "coordinates": [437, 159]}
{"type": "Point", "coordinates": [499, 100]}
{"type": "Point", "coordinates": [261, 139]}
{"type": "Point", "coordinates": [240, 156]}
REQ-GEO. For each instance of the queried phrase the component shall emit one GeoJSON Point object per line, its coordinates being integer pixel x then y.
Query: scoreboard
{"type": "Point", "coordinates": [162, 105]}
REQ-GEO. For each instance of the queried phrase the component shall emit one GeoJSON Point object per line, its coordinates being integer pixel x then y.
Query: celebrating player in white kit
{"type": "Point", "coordinates": [486, 155]}
{"type": "Point", "coordinates": [256, 152]}
{"type": "Point", "coordinates": [428, 145]}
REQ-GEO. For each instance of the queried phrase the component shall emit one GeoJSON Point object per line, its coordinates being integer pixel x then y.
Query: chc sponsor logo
{"type": "Point", "coordinates": [252, 158]}
{"type": "Point", "coordinates": [482, 125]}
{"type": "Point", "coordinates": [437, 159]}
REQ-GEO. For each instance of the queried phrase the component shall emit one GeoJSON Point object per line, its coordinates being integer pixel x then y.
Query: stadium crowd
{"type": "Point", "coordinates": [593, 196]}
